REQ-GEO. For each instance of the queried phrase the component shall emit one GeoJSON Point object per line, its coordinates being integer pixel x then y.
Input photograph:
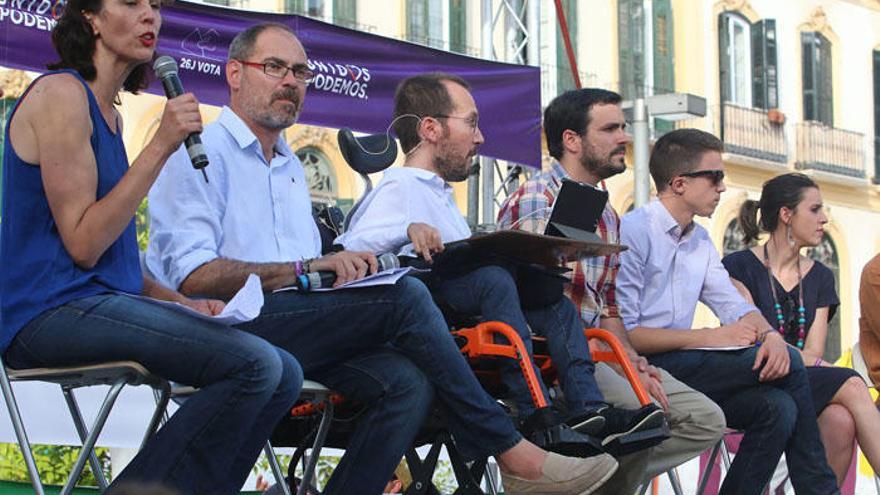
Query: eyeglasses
{"type": "Point", "coordinates": [300, 72]}
{"type": "Point", "coordinates": [716, 176]}
{"type": "Point", "coordinates": [473, 122]}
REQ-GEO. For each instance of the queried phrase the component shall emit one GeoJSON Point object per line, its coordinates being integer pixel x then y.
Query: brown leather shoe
{"type": "Point", "coordinates": [564, 476]}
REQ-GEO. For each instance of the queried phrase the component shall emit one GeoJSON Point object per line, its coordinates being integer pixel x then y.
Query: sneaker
{"type": "Point", "coordinates": [618, 422]}
{"type": "Point", "coordinates": [564, 475]}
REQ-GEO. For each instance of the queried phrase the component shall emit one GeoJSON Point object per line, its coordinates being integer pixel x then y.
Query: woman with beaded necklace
{"type": "Point", "coordinates": [796, 294]}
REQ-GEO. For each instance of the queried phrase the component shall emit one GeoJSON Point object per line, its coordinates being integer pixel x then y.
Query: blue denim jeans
{"type": "Point", "coordinates": [776, 417]}
{"type": "Point", "coordinates": [211, 442]}
{"type": "Point", "coordinates": [490, 292]}
{"type": "Point", "coordinates": [388, 347]}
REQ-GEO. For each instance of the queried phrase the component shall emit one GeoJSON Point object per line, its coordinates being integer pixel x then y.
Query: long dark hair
{"type": "Point", "coordinates": [785, 190]}
{"type": "Point", "coordinates": [74, 42]}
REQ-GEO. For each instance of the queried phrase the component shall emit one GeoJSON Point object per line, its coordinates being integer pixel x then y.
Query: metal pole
{"type": "Point", "coordinates": [533, 24]}
{"type": "Point", "coordinates": [640, 152]}
{"type": "Point", "coordinates": [473, 195]}
{"type": "Point", "coordinates": [488, 164]}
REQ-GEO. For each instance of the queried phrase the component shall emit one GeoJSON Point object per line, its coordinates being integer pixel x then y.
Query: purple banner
{"type": "Point", "coordinates": [356, 72]}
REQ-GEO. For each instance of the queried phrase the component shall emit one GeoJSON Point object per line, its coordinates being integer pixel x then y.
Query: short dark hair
{"type": "Point", "coordinates": [785, 190]}
{"type": "Point", "coordinates": [679, 152]}
{"type": "Point", "coordinates": [242, 46]}
{"type": "Point", "coordinates": [74, 41]}
{"type": "Point", "coordinates": [571, 111]}
{"type": "Point", "coordinates": [422, 95]}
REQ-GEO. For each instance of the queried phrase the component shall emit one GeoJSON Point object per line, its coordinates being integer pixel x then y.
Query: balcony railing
{"type": "Point", "coordinates": [820, 147]}
{"type": "Point", "coordinates": [748, 132]}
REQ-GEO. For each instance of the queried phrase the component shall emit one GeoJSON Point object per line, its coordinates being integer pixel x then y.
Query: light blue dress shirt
{"type": "Point", "coordinates": [666, 271]}
{"type": "Point", "coordinates": [251, 210]}
{"type": "Point", "coordinates": [405, 195]}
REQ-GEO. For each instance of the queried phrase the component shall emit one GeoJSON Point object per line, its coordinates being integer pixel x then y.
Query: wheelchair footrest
{"type": "Point", "coordinates": [636, 441]}
{"type": "Point", "coordinates": [544, 429]}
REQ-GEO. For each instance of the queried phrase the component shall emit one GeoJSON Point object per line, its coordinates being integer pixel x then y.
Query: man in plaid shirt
{"type": "Point", "coordinates": [585, 136]}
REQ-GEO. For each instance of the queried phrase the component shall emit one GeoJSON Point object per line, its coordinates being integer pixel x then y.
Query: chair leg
{"type": "Point", "coordinates": [725, 455]}
{"type": "Point", "coordinates": [675, 481]}
{"type": "Point", "coordinates": [162, 396]}
{"type": "Point", "coordinates": [76, 415]}
{"type": "Point", "coordinates": [320, 438]}
{"type": "Point", "coordinates": [276, 468]}
{"type": "Point", "coordinates": [92, 437]}
{"type": "Point", "coordinates": [490, 480]}
{"type": "Point", "coordinates": [20, 433]}
{"type": "Point", "coordinates": [710, 464]}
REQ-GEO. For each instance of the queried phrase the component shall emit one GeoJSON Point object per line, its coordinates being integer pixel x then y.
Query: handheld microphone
{"type": "Point", "coordinates": [317, 280]}
{"type": "Point", "coordinates": [166, 70]}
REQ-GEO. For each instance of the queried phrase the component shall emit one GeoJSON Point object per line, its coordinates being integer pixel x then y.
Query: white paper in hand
{"type": "Point", "coordinates": [244, 306]}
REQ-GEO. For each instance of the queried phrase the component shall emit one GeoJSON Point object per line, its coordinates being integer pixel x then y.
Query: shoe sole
{"type": "Point", "coordinates": [653, 420]}
{"type": "Point", "coordinates": [590, 426]}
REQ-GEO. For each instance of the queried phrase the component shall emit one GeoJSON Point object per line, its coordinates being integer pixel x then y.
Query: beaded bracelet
{"type": "Point", "coordinates": [818, 362]}
{"type": "Point", "coordinates": [298, 268]}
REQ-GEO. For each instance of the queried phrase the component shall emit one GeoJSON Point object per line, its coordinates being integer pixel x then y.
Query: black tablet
{"type": "Point", "coordinates": [576, 211]}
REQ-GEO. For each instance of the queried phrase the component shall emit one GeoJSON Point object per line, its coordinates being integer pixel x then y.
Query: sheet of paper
{"type": "Point", "coordinates": [725, 348]}
{"type": "Point", "coordinates": [244, 306]}
{"type": "Point", "coordinates": [385, 277]}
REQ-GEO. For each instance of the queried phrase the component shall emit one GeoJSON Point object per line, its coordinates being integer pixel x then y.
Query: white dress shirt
{"type": "Point", "coordinates": [666, 271]}
{"type": "Point", "coordinates": [252, 210]}
{"type": "Point", "coordinates": [405, 195]}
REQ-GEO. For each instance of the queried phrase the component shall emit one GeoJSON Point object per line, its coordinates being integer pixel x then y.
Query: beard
{"type": "Point", "coordinates": [604, 167]}
{"type": "Point", "coordinates": [450, 165]}
{"type": "Point", "coordinates": [452, 169]}
{"type": "Point", "coordinates": [271, 117]}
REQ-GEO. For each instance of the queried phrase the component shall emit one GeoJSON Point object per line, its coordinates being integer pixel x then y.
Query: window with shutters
{"type": "Point", "coordinates": [817, 85]}
{"type": "Point", "coordinates": [425, 22]}
{"type": "Point", "coordinates": [345, 13]}
{"type": "Point", "coordinates": [631, 48]}
{"type": "Point", "coordinates": [564, 77]}
{"type": "Point", "coordinates": [646, 26]}
{"type": "Point", "coordinates": [735, 34]}
{"type": "Point", "coordinates": [457, 26]}
{"type": "Point", "coordinates": [311, 8]}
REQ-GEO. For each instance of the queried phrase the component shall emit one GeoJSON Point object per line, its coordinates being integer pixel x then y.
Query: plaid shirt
{"type": "Point", "coordinates": [592, 279]}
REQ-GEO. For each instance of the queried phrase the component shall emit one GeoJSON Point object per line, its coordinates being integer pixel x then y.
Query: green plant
{"type": "Point", "coordinates": [53, 461]}
{"type": "Point", "coordinates": [142, 224]}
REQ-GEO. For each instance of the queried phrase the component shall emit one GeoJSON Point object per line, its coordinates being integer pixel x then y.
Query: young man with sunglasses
{"type": "Point", "coordinates": [586, 136]}
{"type": "Point", "coordinates": [743, 365]}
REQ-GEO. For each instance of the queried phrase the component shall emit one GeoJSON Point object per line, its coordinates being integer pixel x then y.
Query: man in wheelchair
{"type": "Point", "coordinates": [412, 212]}
{"type": "Point", "coordinates": [387, 347]}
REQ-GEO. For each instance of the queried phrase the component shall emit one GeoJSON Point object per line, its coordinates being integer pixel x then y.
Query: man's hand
{"type": "Point", "coordinates": [425, 239]}
{"type": "Point", "coordinates": [210, 307]}
{"type": "Point", "coordinates": [737, 333]}
{"type": "Point", "coordinates": [773, 355]}
{"type": "Point", "coordinates": [347, 265]}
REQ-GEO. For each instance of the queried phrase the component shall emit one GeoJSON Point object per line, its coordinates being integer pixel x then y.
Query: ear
{"type": "Point", "coordinates": [430, 129]}
{"type": "Point", "coordinates": [233, 74]}
{"type": "Point", "coordinates": [785, 214]}
{"type": "Point", "coordinates": [676, 185]}
{"type": "Point", "coordinates": [571, 142]}
{"type": "Point", "coordinates": [88, 16]}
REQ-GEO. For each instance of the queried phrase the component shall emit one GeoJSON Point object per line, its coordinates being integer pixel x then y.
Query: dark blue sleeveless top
{"type": "Point", "coordinates": [36, 271]}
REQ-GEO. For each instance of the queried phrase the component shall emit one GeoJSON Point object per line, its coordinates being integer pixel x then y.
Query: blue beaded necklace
{"type": "Point", "coordinates": [780, 318]}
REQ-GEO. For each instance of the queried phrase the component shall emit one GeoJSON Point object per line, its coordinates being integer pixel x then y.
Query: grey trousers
{"type": "Point", "coordinates": [695, 422]}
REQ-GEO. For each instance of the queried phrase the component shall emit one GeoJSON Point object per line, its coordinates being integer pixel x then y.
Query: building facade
{"type": "Point", "coordinates": [790, 85]}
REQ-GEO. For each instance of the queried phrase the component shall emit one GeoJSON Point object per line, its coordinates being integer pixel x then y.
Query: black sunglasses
{"type": "Point", "coordinates": [716, 176]}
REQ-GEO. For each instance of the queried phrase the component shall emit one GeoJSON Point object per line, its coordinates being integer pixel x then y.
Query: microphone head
{"type": "Point", "coordinates": [164, 66]}
{"type": "Point", "coordinates": [387, 261]}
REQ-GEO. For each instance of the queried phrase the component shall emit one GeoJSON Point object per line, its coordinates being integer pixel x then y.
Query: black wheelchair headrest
{"type": "Point", "coordinates": [367, 154]}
